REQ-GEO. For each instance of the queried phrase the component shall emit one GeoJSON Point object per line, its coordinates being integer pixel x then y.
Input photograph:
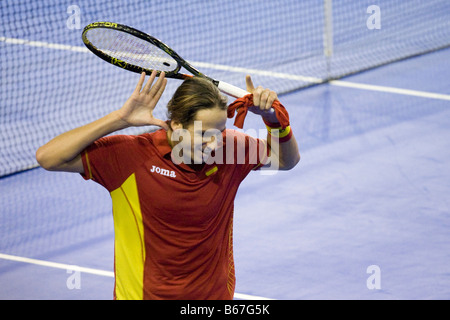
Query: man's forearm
{"type": "Point", "coordinates": [286, 154]}
{"type": "Point", "coordinates": [282, 144]}
{"type": "Point", "coordinates": [66, 147]}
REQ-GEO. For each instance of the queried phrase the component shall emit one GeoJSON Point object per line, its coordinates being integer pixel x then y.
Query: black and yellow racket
{"type": "Point", "coordinates": [139, 52]}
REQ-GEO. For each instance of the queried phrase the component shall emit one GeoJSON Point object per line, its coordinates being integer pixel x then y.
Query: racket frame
{"type": "Point", "coordinates": [174, 74]}
{"type": "Point", "coordinates": [223, 86]}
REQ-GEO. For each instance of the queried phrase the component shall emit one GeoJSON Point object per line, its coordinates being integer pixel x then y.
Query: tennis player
{"type": "Point", "coordinates": [173, 222]}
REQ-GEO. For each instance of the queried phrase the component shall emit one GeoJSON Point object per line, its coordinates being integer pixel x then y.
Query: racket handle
{"type": "Point", "coordinates": [235, 92]}
{"type": "Point", "coordinates": [232, 90]}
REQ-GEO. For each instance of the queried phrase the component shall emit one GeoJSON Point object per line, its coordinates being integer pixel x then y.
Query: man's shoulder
{"type": "Point", "coordinates": [150, 137]}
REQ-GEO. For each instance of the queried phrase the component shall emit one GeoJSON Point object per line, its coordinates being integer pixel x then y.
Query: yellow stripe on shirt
{"type": "Point", "coordinates": [129, 241]}
{"type": "Point", "coordinates": [89, 173]}
{"type": "Point", "coordinates": [212, 171]}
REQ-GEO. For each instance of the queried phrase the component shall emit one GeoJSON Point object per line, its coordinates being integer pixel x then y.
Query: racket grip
{"type": "Point", "coordinates": [235, 92]}
{"type": "Point", "coordinates": [232, 90]}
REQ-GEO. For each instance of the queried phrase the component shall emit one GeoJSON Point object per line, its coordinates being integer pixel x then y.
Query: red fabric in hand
{"type": "Point", "coordinates": [241, 106]}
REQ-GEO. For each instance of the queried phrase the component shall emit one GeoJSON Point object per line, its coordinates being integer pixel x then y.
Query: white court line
{"type": "Point", "coordinates": [339, 83]}
{"type": "Point", "coordinates": [41, 44]}
{"type": "Point", "coordinates": [98, 272]}
{"type": "Point", "coordinates": [57, 265]}
{"type": "Point", "coordinates": [258, 72]}
{"type": "Point", "coordinates": [406, 92]}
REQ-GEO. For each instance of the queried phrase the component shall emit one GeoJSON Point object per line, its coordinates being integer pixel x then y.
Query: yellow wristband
{"type": "Point", "coordinates": [279, 132]}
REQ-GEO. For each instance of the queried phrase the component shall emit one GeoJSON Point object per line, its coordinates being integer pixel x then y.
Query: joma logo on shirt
{"type": "Point", "coordinates": [163, 172]}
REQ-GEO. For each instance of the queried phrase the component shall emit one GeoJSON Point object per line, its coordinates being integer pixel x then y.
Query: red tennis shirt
{"type": "Point", "coordinates": [173, 225]}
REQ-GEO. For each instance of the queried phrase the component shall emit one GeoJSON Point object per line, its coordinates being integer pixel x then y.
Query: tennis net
{"type": "Point", "coordinates": [50, 83]}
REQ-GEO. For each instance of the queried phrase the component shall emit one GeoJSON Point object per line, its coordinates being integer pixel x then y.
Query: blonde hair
{"type": "Point", "coordinates": [192, 95]}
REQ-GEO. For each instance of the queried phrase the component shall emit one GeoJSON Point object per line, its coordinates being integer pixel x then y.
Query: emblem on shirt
{"type": "Point", "coordinates": [163, 172]}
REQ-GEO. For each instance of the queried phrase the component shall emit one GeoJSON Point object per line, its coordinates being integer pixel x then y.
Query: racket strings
{"type": "Point", "coordinates": [131, 49]}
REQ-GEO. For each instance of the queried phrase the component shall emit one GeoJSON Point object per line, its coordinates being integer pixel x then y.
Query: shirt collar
{"type": "Point", "coordinates": [162, 143]}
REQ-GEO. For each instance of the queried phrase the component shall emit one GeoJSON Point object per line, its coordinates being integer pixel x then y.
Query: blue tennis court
{"type": "Point", "coordinates": [365, 214]}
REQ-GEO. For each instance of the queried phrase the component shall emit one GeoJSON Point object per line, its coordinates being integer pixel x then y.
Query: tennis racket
{"type": "Point", "coordinates": [133, 50]}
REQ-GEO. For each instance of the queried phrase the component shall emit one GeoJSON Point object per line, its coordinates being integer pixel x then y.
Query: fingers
{"type": "Point", "coordinates": [155, 92]}
{"type": "Point", "coordinates": [152, 91]}
{"type": "Point", "coordinates": [159, 87]}
{"type": "Point", "coordinates": [149, 88]}
{"type": "Point", "coordinates": [270, 100]}
{"type": "Point", "coordinates": [249, 82]}
{"type": "Point", "coordinates": [160, 83]}
{"type": "Point", "coordinates": [140, 83]}
{"type": "Point", "coordinates": [264, 98]}
{"type": "Point", "coordinates": [148, 85]}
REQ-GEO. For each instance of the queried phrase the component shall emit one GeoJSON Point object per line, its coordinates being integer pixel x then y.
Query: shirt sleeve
{"type": "Point", "coordinates": [109, 160]}
{"type": "Point", "coordinates": [248, 153]}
